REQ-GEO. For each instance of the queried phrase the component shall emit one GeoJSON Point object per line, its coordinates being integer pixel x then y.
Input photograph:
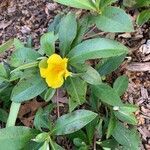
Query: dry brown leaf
{"type": "Point", "coordinates": [139, 66]}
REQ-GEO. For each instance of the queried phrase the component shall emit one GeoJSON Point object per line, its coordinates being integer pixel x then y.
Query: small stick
{"type": "Point", "coordinates": [94, 145]}
{"type": "Point", "coordinates": [57, 102]}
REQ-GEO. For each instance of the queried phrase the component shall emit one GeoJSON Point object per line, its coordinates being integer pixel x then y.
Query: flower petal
{"type": "Point", "coordinates": [54, 59]}
{"type": "Point", "coordinates": [55, 80]}
{"type": "Point", "coordinates": [67, 73]}
{"type": "Point", "coordinates": [43, 72]}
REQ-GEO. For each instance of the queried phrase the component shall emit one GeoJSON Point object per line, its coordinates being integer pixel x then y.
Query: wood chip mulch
{"type": "Point", "coordinates": [25, 18]}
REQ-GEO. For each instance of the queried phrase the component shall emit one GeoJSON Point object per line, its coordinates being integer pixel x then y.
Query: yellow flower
{"type": "Point", "coordinates": [54, 70]}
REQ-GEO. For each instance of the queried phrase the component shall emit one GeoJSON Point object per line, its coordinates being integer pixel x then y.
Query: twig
{"type": "Point", "coordinates": [90, 30]}
{"type": "Point", "coordinates": [91, 36]}
{"type": "Point", "coordinates": [94, 145]}
{"type": "Point", "coordinates": [57, 102]}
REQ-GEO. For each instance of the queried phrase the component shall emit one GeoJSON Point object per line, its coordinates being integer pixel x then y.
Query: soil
{"type": "Point", "coordinates": [30, 18]}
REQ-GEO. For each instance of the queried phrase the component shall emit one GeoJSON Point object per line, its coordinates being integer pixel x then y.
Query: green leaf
{"type": "Point", "coordinates": [15, 75]}
{"type": "Point", "coordinates": [91, 76]}
{"type": "Point", "coordinates": [29, 42]}
{"type": "Point", "coordinates": [141, 3]}
{"type": "Point", "coordinates": [45, 146]}
{"type": "Point", "coordinates": [121, 84]}
{"type": "Point", "coordinates": [84, 4]}
{"type": "Point", "coordinates": [73, 122]}
{"type": "Point", "coordinates": [55, 146]}
{"type": "Point", "coordinates": [3, 71]}
{"type": "Point", "coordinates": [114, 19]}
{"type": "Point", "coordinates": [76, 88]}
{"type": "Point", "coordinates": [5, 92]}
{"type": "Point", "coordinates": [125, 113]}
{"type": "Point", "coordinates": [104, 3]}
{"type": "Point", "coordinates": [15, 138]}
{"type": "Point", "coordinates": [78, 134]}
{"type": "Point", "coordinates": [18, 44]}
{"type": "Point", "coordinates": [42, 137]}
{"type": "Point", "coordinates": [128, 138]}
{"type": "Point", "coordinates": [28, 88]}
{"type": "Point", "coordinates": [5, 46]}
{"type": "Point", "coordinates": [143, 17]}
{"type": "Point", "coordinates": [78, 142]}
{"type": "Point", "coordinates": [111, 125]}
{"type": "Point", "coordinates": [110, 143]}
{"type": "Point", "coordinates": [107, 94]}
{"type": "Point", "coordinates": [31, 145]}
{"type": "Point", "coordinates": [23, 56]}
{"type": "Point", "coordinates": [3, 115]}
{"type": "Point", "coordinates": [47, 43]}
{"type": "Point", "coordinates": [130, 108]}
{"type": "Point", "coordinates": [42, 119]}
{"type": "Point", "coordinates": [48, 94]}
{"type": "Point", "coordinates": [90, 129]}
{"type": "Point", "coordinates": [25, 66]}
{"type": "Point", "coordinates": [54, 26]}
{"type": "Point", "coordinates": [82, 27]}
{"type": "Point", "coordinates": [67, 32]}
{"type": "Point", "coordinates": [96, 48]}
{"type": "Point", "coordinates": [108, 65]}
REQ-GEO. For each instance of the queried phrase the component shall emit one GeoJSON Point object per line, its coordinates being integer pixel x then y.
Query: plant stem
{"type": "Point", "coordinates": [14, 109]}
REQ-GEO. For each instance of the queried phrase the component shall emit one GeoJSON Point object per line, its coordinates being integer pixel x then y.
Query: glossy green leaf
{"type": "Point", "coordinates": [91, 76]}
{"type": "Point", "coordinates": [5, 46]}
{"type": "Point", "coordinates": [121, 84]}
{"type": "Point", "coordinates": [83, 4]}
{"type": "Point", "coordinates": [128, 138]}
{"type": "Point", "coordinates": [108, 65]}
{"type": "Point", "coordinates": [28, 88]}
{"type": "Point", "coordinates": [107, 94]}
{"type": "Point", "coordinates": [76, 88]}
{"type": "Point", "coordinates": [23, 56]}
{"type": "Point", "coordinates": [73, 122]}
{"type": "Point", "coordinates": [96, 48]}
{"type": "Point", "coordinates": [47, 43]}
{"type": "Point", "coordinates": [67, 32]}
{"type": "Point", "coordinates": [114, 19]}
{"type": "Point", "coordinates": [143, 17]}
{"type": "Point", "coordinates": [15, 138]}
